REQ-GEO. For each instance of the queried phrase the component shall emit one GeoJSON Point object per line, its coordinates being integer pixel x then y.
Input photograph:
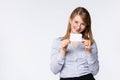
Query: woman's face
{"type": "Point", "coordinates": [77, 25]}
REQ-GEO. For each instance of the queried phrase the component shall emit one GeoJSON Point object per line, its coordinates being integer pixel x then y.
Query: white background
{"type": "Point", "coordinates": [28, 27]}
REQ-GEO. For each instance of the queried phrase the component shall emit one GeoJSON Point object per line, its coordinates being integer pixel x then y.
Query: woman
{"type": "Point", "coordinates": [76, 60]}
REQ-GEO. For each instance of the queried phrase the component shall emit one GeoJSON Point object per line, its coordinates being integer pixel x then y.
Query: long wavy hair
{"type": "Point", "coordinates": [84, 14]}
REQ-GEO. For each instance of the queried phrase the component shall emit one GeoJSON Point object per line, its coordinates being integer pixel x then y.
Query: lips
{"type": "Point", "coordinates": [76, 30]}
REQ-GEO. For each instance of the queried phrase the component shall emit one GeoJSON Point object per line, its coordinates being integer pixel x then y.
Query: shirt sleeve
{"type": "Point", "coordinates": [57, 60]}
{"type": "Point", "coordinates": [92, 59]}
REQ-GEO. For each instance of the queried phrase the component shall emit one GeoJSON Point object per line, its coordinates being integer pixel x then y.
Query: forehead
{"type": "Point", "coordinates": [78, 18]}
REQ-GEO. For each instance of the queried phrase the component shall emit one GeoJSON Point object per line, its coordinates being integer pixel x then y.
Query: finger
{"type": "Point", "coordinates": [89, 42]}
{"type": "Point", "coordinates": [83, 41]}
{"type": "Point", "coordinates": [67, 42]}
{"type": "Point", "coordinates": [86, 46]}
{"type": "Point", "coordinates": [64, 45]}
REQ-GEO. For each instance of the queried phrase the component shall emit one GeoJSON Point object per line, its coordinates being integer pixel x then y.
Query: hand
{"type": "Point", "coordinates": [87, 45]}
{"type": "Point", "coordinates": [64, 45]}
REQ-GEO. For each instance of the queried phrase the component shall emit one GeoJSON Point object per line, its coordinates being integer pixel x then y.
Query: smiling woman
{"type": "Point", "coordinates": [76, 60]}
{"type": "Point", "coordinates": [77, 24]}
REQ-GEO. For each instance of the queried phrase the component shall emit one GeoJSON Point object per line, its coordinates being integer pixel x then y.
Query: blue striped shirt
{"type": "Point", "coordinates": [76, 62]}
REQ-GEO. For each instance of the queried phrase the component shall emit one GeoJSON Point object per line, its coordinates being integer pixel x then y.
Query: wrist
{"type": "Point", "coordinates": [62, 52]}
{"type": "Point", "coordinates": [88, 51]}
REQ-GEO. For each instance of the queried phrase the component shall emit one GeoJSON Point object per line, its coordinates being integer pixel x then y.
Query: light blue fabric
{"type": "Point", "coordinates": [76, 62]}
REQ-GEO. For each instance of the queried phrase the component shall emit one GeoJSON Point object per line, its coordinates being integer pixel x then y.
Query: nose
{"type": "Point", "coordinates": [78, 27]}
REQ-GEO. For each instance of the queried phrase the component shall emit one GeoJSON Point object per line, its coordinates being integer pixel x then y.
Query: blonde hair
{"type": "Point", "coordinates": [84, 14]}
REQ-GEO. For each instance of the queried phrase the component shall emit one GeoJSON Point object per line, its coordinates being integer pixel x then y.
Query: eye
{"type": "Point", "coordinates": [83, 24]}
{"type": "Point", "coordinates": [76, 21]}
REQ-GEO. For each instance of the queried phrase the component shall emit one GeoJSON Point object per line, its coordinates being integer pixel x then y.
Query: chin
{"type": "Point", "coordinates": [76, 32]}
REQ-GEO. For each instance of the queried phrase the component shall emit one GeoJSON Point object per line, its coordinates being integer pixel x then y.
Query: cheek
{"type": "Point", "coordinates": [72, 27]}
{"type": "Point", "coordinates": [83, 28]}
{"type": "Point", "coordinates": [73, 24]}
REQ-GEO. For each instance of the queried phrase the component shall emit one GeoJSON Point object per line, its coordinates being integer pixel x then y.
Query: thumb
{"type": "Point", "coordinates": [83, 41]}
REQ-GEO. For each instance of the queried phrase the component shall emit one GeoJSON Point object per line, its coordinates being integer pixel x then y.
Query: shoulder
{"type": "Point", "coordinates": [57, 41]}
{"type": "Point", "coordinates": [94, 45]}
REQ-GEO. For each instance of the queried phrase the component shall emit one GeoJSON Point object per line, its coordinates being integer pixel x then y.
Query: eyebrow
{"type": "Point", "coordinates": [81, 23]}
